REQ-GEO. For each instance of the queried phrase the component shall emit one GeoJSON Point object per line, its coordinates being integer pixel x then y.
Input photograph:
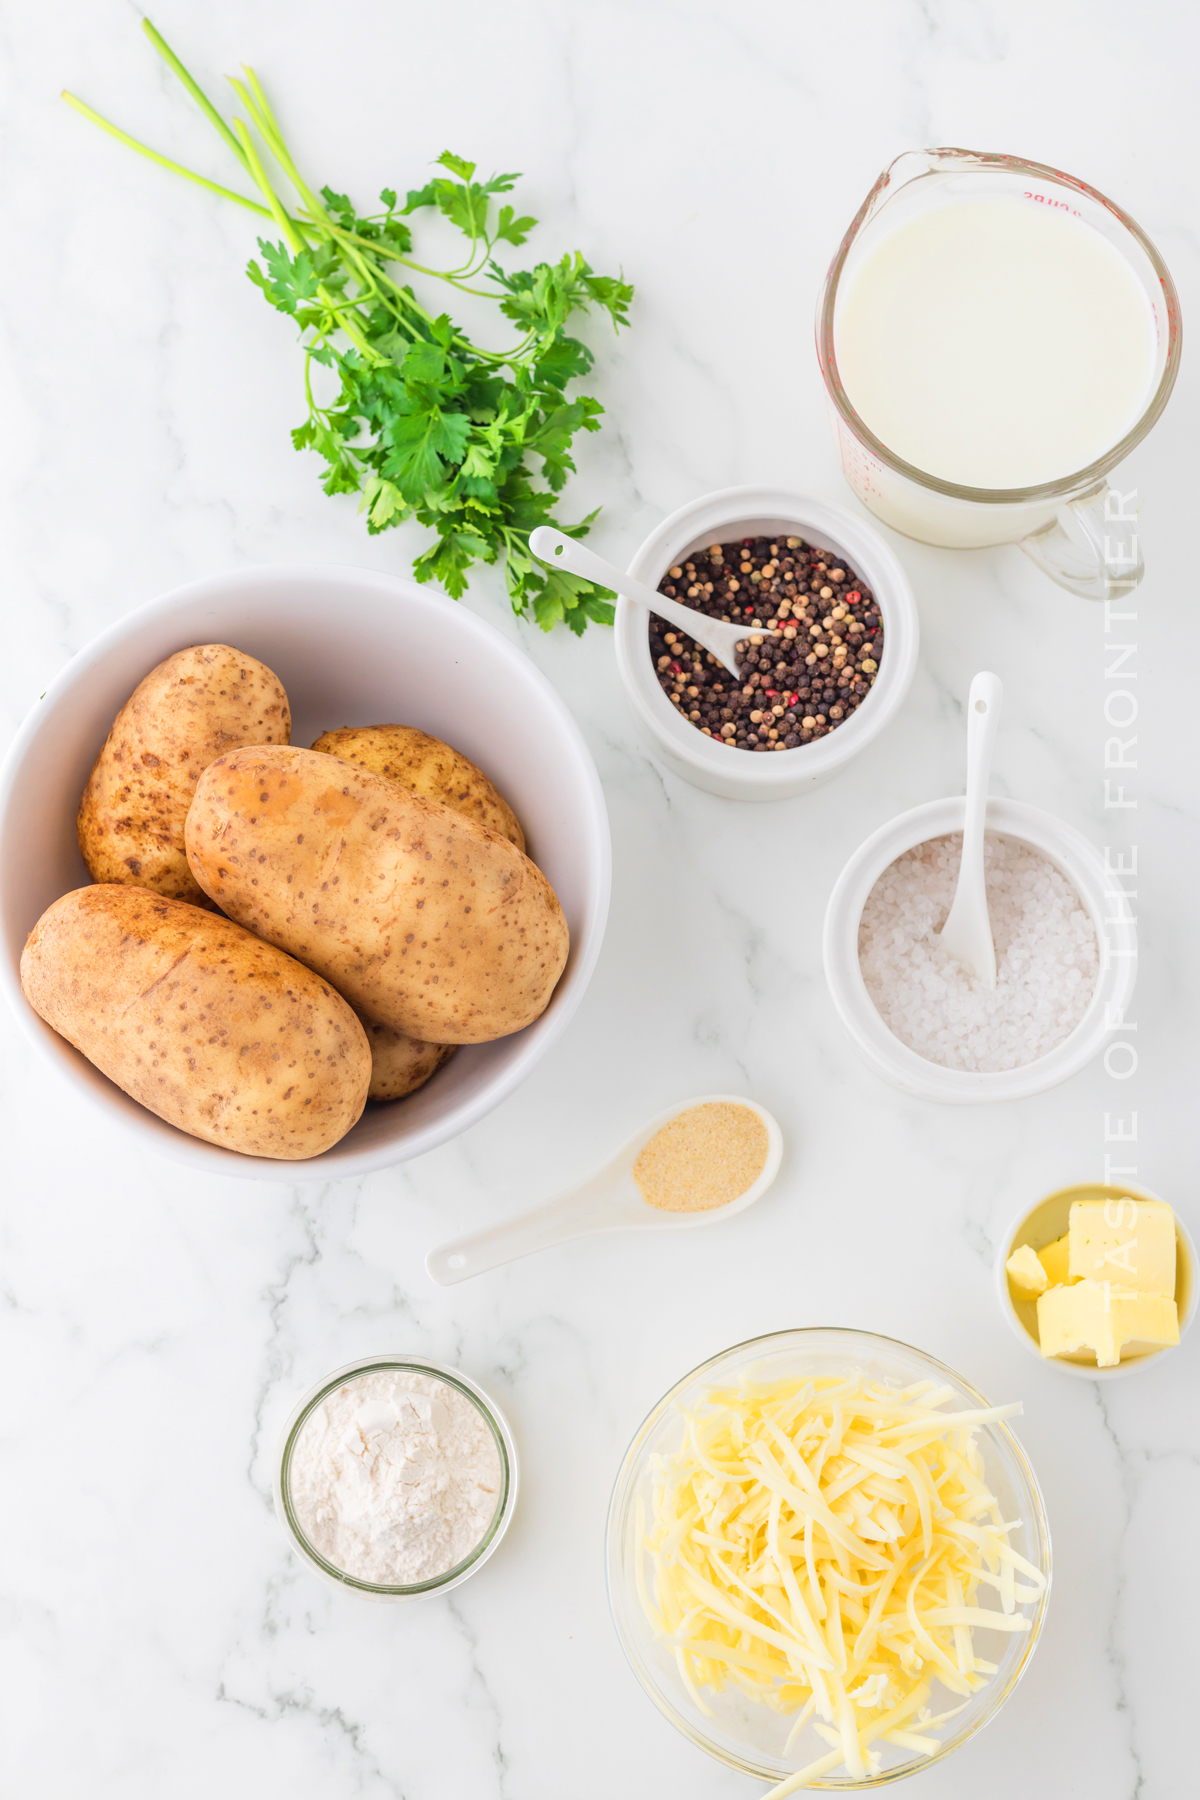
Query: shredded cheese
{"type": "Point", "coordinates": [821, 1546]}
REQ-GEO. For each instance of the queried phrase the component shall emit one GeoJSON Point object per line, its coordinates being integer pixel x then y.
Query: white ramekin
{"type": "Point", "coordinates": [1056, 1209]}
{"type": "Point", "coordinates": [761, 512]}
{"type": "Point", "coordinates": [1083, 866]}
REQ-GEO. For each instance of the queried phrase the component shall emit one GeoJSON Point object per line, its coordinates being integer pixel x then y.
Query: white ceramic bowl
{"type": "Point", "coordinates": [758, 512]}
{"type": "Point", "coordinates": [352, 647]}
{"type": "Point", "coordinates": [1083, 867]}
{"type": "Point", "coordinates": [1040, 1225]}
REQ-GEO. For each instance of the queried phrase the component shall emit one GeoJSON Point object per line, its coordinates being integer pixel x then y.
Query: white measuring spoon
{"type": "Point", "coordinates": [609, 1200]}
{"type": "Point", "coordinates": [552, 547]}
{"type": "Point", "coordinates": [967, 933]}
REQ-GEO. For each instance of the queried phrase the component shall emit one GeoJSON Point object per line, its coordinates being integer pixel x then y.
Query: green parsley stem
{"type": "Point", "coordinates": [407, 298]}
{"type": "Point", "coordinates": [254, 164]}
{"type": "Point", "coordinates": [194, 89]}
{"type": "Point", "coordinates": [255, 101]}
{"type": "Point", "coordinates": [367, 273]}
{"type": "Point", "coordinates": [450, 275]}
{"type": "Point", "coordinates": [338, 308]}
{"type": "Point", "coordinates": [164, 162]}
{"type": "Point", "coordinates": [268, 125]}
{"type": "Point", "coordinates": [441, 275]}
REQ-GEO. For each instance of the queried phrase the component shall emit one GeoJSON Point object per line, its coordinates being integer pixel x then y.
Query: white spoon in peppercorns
{"type": "Point", "coordinates": [550, 546]}
{"type": "Point", "coordinates": [967, 933]}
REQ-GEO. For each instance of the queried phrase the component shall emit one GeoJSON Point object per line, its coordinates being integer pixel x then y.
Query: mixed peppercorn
{"type": "Point", "coordinates": [790, 690]}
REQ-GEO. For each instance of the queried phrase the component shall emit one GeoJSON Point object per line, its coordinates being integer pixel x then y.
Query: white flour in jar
{"type": "Point", "coordinates": [395, 1477]}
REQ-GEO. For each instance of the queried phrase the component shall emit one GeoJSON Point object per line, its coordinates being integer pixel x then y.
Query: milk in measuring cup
{"type": "Point", "coordinates": [995, 342]}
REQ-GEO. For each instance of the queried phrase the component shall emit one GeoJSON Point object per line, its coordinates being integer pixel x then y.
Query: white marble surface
{"type": "Point", "coordinates": [155, 1328]}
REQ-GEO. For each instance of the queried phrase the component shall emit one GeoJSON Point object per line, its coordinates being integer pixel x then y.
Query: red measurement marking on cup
{"type": "Point", "coordinates": [858, 465]}
{"type": "Point", "coordinates": [1049, 200]}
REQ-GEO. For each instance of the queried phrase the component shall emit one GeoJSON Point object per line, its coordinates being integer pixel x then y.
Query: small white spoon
{"type": "Point", "coordinates": [609, 1200]}
{"type": "Point", "coordinates": [550, 546]}
{"type": "Point", "coordinates": [967, 933]}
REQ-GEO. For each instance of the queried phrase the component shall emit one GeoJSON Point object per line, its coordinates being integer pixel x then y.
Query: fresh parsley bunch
{"type": "Point", "coordinates": [426, 424]}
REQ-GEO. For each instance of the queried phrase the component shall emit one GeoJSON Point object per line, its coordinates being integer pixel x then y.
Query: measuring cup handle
{"type": "Point", "coordinates": [1091, 547]}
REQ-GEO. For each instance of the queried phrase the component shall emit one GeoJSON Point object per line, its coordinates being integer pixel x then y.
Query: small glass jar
{"type": "Point", "coordinates": [505, 1504]}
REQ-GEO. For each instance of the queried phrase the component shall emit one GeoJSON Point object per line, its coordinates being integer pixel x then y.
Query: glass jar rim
{"type": "Point", "coordinates": [1074, 484]}
{"type": "Point", "coordinates": [379, 1364]}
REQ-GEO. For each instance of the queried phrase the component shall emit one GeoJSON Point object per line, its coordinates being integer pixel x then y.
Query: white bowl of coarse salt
{"type": "Point", "coordinates": [1066, 955]}
{"type": "Point", "coordinates": [395, 1477]}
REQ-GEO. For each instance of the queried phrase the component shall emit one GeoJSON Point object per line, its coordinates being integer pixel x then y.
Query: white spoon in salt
{"type": "Point", "coordinates": [552, 547]}
{"type": "Point", "coordinates": [967, 933]}
{"type": "Point", "coordinates": [701, 1161]}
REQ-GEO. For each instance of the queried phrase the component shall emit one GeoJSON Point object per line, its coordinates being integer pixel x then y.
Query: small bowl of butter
{"type": "Point", "coordinates": [1098, 1279]}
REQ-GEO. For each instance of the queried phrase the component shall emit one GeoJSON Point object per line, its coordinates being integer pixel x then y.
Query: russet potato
{"type": "Point", "coordinates": [421, 918]}
{"type": "Point", "coordinates": [189, 710]}
{"type": "Point", "coordinates": [401, 1064]}
{"type": "Point", "coordinates": [220, 1034]}
{"type": "Point", "coordinates": [428, 767]}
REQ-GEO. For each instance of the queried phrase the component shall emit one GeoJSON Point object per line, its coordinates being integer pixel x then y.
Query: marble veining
{"type": "Point", "coordinates": [156, 1328]}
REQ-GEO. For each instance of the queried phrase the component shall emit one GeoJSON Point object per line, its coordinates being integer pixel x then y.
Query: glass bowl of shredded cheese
{"type": "Point", "coordinates": [828, 1559]}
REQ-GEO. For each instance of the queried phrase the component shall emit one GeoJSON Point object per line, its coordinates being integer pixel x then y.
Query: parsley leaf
{"type": "Point", "coordinates": [512, 229]}
{"type": "Point", "coordinates": [425, 196]}
{"type": "Point", "coordinates": [456, 165]}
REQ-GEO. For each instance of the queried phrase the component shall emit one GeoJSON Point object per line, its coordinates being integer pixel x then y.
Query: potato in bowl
{"type": "Point", "coordinates": [401, 1064]}
{"type": "Point", "coordinates": [185, 713]}
{"type": "Point", "coordinates": [345, 644]}
{"type": "Point", "coordinates": [425, 920]}
{"type": "Point", "coordinates": [428, 767]}
{"type": "Point", "coordinates": [199, 1021]}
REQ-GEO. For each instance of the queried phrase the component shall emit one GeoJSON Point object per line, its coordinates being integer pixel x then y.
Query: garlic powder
{"type": "Point", "coordinates": [704, 1157]}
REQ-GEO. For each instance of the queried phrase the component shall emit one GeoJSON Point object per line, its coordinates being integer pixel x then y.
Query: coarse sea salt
{"type": "Point", "coordinates": [1047, 958]}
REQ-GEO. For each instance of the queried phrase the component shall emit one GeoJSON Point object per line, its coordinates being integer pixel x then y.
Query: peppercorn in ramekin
{"type": "Point", "coordinates": [792, 689]}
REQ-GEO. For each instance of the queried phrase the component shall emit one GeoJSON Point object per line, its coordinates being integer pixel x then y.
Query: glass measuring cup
{"type": "Point", "coordinates": [1082, 533]}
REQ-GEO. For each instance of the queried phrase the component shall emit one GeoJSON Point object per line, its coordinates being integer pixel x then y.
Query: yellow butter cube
{"type": "Point", "coordinates": [1026, 1273]}
{"type": "Point", "coordinates": [1054, 1258]}
{"type": "Point", "coordinates": [1099, 1316]}
{"type": "Point", "coordinates": [1124, 1240]}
